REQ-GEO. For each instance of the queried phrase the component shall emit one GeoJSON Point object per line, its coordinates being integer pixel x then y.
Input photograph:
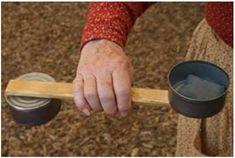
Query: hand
{"type": "Point", "coordinates": [103, 80]}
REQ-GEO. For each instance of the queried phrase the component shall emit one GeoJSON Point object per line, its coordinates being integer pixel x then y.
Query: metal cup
{"type": "Point", "coordinates": [31, 110]}
{"type": "Point", "coordinates": [196, 108]}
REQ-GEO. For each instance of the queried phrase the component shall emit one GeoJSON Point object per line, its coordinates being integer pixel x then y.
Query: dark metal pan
{"type": "Point", "coordinates": [196, 108]}
{"type": "Point", "coordinates": [31, 110]}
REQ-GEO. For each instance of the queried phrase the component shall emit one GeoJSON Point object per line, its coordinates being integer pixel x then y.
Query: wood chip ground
{"type": "Point", "coordinates": [45, 37]}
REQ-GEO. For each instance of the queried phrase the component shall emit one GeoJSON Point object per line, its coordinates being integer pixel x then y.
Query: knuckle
{"type": "Point", "coordinates": [76, 89]}
{"type": "Point", "coordinates": [106, 83]}
{"type": "Point", "coordinates": [106, 98]}
{"type": "Point", "coordinates": [78, 79]}
{"type": "Point", "coordinates": [80, 103]}
{"type": "Point", "coordinates": [77, 84]}
{"type": "Point", "coordinates": [89, 95]}
{"type": "Point", "coordinates": [79, 74]}
{"type": "Point", "coordinates": [83, 69]}
{"type": "Point", "coordinates": [108, 104]}
{"type": "Point", "coordinates": [124, 92]}
{"type": "Point", "coordinates": [120, 61]}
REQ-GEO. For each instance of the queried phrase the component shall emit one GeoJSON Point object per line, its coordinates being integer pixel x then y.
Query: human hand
{"type": "Point", "coordinates": [103, 80]}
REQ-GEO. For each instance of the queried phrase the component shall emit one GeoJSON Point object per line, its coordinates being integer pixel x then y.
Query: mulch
{"type": "Point", "coordinates": [45, 37]}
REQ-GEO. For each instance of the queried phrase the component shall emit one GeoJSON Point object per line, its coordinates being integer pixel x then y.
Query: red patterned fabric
{"type": "Point", "coordinates": [113, 20]}
{"type": "Point", "coordinates": [219, 16]}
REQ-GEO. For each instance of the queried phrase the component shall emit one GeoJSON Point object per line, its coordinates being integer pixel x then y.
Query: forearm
{"type": "Point", "coordinates": [112, 21]}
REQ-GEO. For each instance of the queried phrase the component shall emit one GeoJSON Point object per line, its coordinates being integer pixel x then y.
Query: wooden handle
{"type": "Point", "coordinates": [59, 90]}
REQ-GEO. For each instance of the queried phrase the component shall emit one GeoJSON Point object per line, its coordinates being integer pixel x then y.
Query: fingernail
{"type": "Point", "coordinates": [124, 114]}
{"type": "Point", "coordinates": [86, 112]}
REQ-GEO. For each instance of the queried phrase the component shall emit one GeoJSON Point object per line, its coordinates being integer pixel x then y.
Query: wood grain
{"type": "Point", "coordinates": [60, 90]}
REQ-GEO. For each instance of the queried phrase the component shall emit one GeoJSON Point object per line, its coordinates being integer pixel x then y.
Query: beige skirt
{"type": "Point", "coordinates": [212, 136]}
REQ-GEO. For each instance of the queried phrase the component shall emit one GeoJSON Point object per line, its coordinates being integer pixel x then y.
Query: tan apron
{"type": "Point", "coordinates": [212, 136]}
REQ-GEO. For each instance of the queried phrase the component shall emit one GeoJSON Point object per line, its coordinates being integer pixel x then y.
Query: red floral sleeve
{"type": "Point", "coordinates": [111, 20]}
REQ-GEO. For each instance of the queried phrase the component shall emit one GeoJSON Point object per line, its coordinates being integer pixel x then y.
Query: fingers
{"type": "Point", "coordinates": [106, 93]}
{"type": "Point", "coordinates": [91, 93]}
{"type": "Point", "coordinates": [110, 92]}
{"type": "Point", "coordinates": [78, 93]}
{"type": "Point", "coordinates": [122, 89]}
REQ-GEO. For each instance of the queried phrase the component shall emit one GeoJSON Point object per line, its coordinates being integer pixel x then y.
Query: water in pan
{"type": "Point", "coordinates": [198, 88]}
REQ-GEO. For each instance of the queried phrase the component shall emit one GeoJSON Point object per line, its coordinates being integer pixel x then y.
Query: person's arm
{"type": "Point", "coordinates": [111, 21]}
{"type": "Point", "coordinates": [104, 73]}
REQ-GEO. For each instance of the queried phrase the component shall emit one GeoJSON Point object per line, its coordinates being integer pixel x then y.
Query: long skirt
{"type": "Point", "coordinates": [211, 136]}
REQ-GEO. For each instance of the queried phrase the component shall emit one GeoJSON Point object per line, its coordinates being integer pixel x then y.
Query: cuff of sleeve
{"type": "Point", "coordinates": [109, 21]}
{"type": "Point", "coordinates": [102, 33]}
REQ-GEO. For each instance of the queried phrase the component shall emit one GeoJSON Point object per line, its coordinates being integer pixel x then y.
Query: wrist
{"type": "Point", "coordinates": [100, 42]}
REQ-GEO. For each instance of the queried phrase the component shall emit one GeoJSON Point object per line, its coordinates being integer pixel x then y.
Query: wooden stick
{"type": "Point", "coordinates": [59, 90]}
